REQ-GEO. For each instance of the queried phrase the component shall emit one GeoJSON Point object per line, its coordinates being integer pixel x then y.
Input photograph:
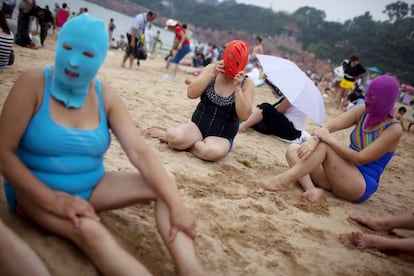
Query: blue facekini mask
{"type": "Point", "coordinates": [80, 51]}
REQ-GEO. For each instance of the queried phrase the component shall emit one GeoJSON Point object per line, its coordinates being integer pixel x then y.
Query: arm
{"type": "Point", "coordinates": [14, 119]}
{"type": "Point", "coordinates": [146, 161]}
{"type": "Point", "coordinates": [20, 106]}
{"type": "Point", "coordinates": [343, 121]}
{"type": "Point", "coordinates": [133, 37]}
{"type": "Point", "coordinates": [387, 142]}
{"type": "Point", "coordinates": [180, 43]}
{"type": "Point", "coordinates": [260, 50]}
{"type": "Point", "coordinates": [283, 106]}
{"type": "Point", "coordinates": [197, 87]}
{"type": "Point", "coordinates": [244, 95]}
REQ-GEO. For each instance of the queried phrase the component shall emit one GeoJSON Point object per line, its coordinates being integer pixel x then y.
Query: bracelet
{"type": "Point", "coordinates": [316, 137]}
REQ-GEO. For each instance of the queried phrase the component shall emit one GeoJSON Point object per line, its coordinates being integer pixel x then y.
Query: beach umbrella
{"type": "Point", "coordinates": [295, 85]}
{"type": "Point", "coordinates": [407, 87]}
{"type": "Point", "coordinates": [374, 69]}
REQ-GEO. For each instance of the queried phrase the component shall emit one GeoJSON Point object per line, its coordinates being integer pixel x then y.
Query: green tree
{"type": "Point", "coordinates": [397, 10]}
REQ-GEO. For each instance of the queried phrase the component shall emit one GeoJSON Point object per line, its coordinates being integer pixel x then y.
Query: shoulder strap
{"type": "Point", "coordinates": [279, 101]}
{"type": "Point", "coordinates": [98, 89]}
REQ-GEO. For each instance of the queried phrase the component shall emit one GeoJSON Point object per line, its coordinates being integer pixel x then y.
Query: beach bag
{"type": "Point", "coordinates": [11, 58]}
{"type": "Point", "coordinates": [141, 53]}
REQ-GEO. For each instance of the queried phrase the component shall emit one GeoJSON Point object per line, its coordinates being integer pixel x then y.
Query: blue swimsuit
{"type": "Point", "coordinates": [371, 171]}
{"type": "Point", "coordinates": [63, 158]}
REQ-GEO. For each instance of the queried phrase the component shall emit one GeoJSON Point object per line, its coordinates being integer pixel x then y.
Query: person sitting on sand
{"type": "Point", "coordinates": [54, 131]}
{"type": "Point", "coordinates": [384, 225]}
{"type": "Point", "coordinates": [226, 96]}
{"type": "Point", "coordinates": [352, 173]}
{"type": "Point", "coordinates": [400, 115]}
{"type": "Point", "coordinates": [281, 119]}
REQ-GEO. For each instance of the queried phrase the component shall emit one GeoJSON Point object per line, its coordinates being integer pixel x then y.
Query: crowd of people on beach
{"type": "Point", "coordinates": [51, 180]}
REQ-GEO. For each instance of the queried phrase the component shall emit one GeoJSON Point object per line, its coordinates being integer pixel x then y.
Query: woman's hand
{"type": "Point", "coordinates": [218, 68]}
{"type": "Point", "coordinates": [72, 208]}
{"type": "Point", "coordinates": [306, 148]}
{"type": "Point", "coordinates": [322, 133]}
{"type": "Point", "coordinates": [182, 220]}
{"type": "Point", "coordinates": [238, 79]}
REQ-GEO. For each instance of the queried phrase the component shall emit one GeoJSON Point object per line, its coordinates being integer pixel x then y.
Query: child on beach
{"type": "Point", "coordinates": [400, 115]}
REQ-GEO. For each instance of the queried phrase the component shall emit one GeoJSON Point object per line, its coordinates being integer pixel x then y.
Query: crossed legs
{"type": "Point", "coordinates": [188, 136]}
{"type": "Point", "coordinates": [323, 170]}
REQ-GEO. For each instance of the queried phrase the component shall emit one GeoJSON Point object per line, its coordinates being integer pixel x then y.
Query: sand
{"type": "Point", "coordinates": [242, 229]}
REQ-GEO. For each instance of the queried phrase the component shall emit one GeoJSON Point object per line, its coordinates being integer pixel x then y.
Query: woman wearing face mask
{"type": "Point", "coordinates": [226, 96]}
{"type": "Point", "coordinates": [54, 131]}
{"type": "Point", "coordinates": [350, 172]}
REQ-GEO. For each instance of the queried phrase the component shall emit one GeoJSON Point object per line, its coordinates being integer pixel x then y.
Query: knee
{"type": "Point", "coordinates": [173, 136]}
{"type": "Point", "coordinates": [90, 233]}
{"type": "Point", "coordinates": [291, 151]}
{"type": "Point", "coordinates": [209, 153]}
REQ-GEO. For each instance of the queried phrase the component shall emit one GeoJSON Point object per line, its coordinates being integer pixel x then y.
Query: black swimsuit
{"type": "Point", "coordinates": [216, 115]}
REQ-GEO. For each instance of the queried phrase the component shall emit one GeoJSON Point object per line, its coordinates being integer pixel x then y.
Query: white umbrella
{"type": "Point", "coordinates": [297, 87]}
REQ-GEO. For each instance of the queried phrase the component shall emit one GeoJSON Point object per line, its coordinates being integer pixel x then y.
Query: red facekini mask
{"type": "Point", "coordinates": [235, 57]}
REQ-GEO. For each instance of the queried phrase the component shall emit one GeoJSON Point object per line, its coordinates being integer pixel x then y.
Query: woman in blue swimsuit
{"type": "Point", "coordinates": [54, 131]}
{"type": "Point", "coordinates": [226, 97]}
{"type": "Point", "coordinates": [350, 172]}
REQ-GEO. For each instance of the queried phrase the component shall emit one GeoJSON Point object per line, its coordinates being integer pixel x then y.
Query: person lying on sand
{"type": "Point", "coordinates": [383, 226]}
{"type": "Point", "coordinates": [226, 97]}
{"type": "Point", "coordinates": [350, 172]}
{"type": "Point", "coordinates": [55, 129]}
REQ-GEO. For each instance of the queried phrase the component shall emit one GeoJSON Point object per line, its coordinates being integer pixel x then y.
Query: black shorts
{"type": "Point", "coordinates": [129, 51]}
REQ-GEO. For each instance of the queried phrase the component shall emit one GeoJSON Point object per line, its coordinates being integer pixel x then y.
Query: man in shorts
{"type": "Point", "coordinates": [135, 35]}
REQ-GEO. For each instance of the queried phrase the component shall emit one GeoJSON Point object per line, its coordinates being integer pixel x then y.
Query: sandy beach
{"type": "Point", "coordinates": [242, 229]}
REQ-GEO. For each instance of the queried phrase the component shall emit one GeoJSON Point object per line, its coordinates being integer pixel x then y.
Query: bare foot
{"type": "Point", "coordinates": [157, 133]}
{"type": "Point", "coordinates": [313, 195]}
{"type": "Point", "coordinates": [372, 223]}
{"type": "Point", "coordinates": [274, 184]}
{"type": "Point", "coordinates": [242, 129]}
{"type": "Point", "coordinates": [364, 241]}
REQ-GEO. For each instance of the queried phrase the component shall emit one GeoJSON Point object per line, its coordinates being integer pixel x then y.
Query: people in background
{"type": "Point", "coordinates": [6, 42]}
{"type": "Point", "coordinates": [136, 36]}
{"type": "Point", "coordinates": [111, 28]}
{"type": "Point", "coordinates": [400, 115]}
{"type": "Point", "coordinates": [353, 71]}
{"type": "Point", "coordinates": [180, 48]}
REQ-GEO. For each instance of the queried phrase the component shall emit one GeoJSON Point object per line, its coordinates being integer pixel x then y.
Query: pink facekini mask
{"type": "Point", "coordinates": [381, 96]}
